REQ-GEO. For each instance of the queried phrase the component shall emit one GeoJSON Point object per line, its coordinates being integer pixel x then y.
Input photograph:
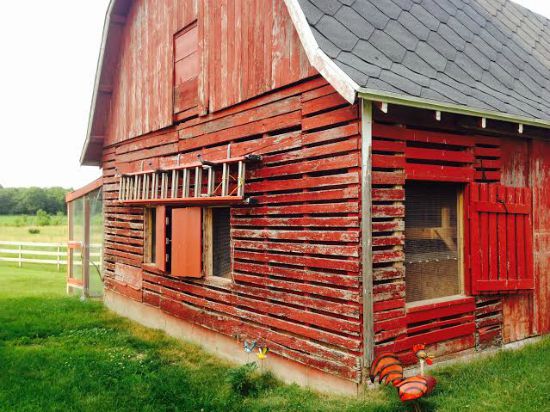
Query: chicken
{"type": "Point", "coordinates": [389, 369]}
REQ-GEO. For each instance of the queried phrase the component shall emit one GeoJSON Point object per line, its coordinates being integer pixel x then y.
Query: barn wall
{"type": "Point", "coordinates": [472, 323]}
{"type": "Point", "coordinates": [541, 223]}
{"type": "Point", "coordinates": [142, 90]}
{"type": "Point", "coordinates": [251, 47]}
{"type": "Point", "coordinates": [245, 48]}
{"type": "Point", "coordinates": [296, 253]}
{"type": "Point", "coordinates": [517, 309]}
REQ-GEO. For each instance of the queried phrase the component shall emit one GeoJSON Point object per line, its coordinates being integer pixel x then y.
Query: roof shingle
{"type": "Point", "coordinates": [485, 54]}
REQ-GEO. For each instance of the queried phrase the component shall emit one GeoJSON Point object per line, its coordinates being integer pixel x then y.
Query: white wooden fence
{"type": "Point", "coordinates": [45, 253]}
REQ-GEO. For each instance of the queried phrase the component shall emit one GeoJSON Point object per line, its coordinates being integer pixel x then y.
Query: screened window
{"type": "Point", "coordinates": [221, 242]}
{"type": "Point", "coordinates": [432, 241]}
{"type": "Point", "coordinates": [200, 242]}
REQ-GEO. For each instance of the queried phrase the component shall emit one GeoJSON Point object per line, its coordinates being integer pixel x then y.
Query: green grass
{"type": "Point", "coordinates": [10, 231]}
{"type": "Point", "coordinates": [59, 353]}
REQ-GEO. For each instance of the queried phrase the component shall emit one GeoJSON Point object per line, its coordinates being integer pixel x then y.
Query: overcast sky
{"type": "Point", "coordinates": [48, 52]}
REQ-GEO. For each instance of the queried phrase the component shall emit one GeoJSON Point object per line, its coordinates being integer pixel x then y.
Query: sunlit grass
{"type": "Point", "coordinates": [60, 353]}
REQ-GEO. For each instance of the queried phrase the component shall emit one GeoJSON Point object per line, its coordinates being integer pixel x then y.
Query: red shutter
{"type": "Point", "coordinates": [186, 69]}
{"type": "Point", "coordinates": [187, 242]}
{"type": "Point", "coordinates": [500, 238]}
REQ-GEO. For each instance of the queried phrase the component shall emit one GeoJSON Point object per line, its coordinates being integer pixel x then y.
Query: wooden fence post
{"type": "Point", "coordinates": [20, 263]}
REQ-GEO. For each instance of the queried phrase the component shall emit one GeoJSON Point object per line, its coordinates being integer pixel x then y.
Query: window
{"type": "Point", "coordinates": [221, 242]}
{"type": "Point", "coordinates": [201, 242]}
{"type": "Point", "coordinates": [155, 237]}
{"type": "Point", "coordinates": [432, 240]}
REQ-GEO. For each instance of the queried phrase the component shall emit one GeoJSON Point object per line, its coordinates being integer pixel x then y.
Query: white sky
{"type": "Point", "coordinates": [48, 55]}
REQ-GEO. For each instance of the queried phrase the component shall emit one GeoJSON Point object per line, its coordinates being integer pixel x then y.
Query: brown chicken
{"type": "Point", "coordinates": [389, 369]}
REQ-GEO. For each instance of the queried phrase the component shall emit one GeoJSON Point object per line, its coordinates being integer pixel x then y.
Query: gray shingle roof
{"type": "Point", "coordinates": [486, 54]}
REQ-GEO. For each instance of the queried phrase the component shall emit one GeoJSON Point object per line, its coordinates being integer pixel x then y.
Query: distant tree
{"type": "Point", "coordinates": [21, 201]}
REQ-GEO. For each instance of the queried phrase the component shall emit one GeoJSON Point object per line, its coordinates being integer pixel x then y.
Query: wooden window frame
{"type": "Point", "coordinates": [461, 253]}
{"type": "Point", "coordinates": [149, 231]}
{"type": "Point", "coordinates": [159, 263]}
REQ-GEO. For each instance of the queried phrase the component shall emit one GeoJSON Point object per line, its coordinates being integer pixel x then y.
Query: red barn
{"type": "Point", "coordinates": [328, 179]}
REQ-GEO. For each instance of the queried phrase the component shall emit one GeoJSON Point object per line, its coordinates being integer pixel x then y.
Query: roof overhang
{"type": "Point", "coordinates": [350, 90]}
{"type": "Point", "coordinates": [343, 84]}
{"type": "Point", "coordinates": [103, 84]}
{"type": "Point", "coordinates": [84, 190]}
{"type": "Point", "coordinates": [409, 101]}
{"type": "Point", "coordinates": [318, 58]}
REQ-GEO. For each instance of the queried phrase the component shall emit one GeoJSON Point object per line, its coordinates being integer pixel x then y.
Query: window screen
{"type": "Point", "coordinates": [221, 242]}
{"type": "Point", "coordinates": [431, 241]}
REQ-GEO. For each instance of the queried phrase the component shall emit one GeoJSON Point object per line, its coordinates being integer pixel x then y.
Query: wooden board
{"type": "Point", "coordinates": [296, 279]}
{"type": "Point", "coordinates": [540, 167]}
{"type": "Point", "coordinates": [500, 238]}
{"type": "Point", "coordinates": [141, 100]}
{"type": "Point", "coordinates": [251, 47]}
{"type": "Point", "coordinates": [186, 242]}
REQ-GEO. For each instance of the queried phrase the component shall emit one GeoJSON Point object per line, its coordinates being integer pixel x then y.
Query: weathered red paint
{"type": "Point", "coordinates": [296, 278]}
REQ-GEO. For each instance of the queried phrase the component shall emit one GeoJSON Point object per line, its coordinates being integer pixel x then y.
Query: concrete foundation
{"type": "Point", "coordinates": [227, 348]}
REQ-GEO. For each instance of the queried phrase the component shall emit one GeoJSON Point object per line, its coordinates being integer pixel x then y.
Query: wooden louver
{"type": "Point", "coordinates": [500, 238]}
{"type": "Point", "coordinates": [220, 181]}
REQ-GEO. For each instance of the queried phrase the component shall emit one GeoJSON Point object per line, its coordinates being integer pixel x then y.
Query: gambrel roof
{"type": "Point", "coordinates": [486, 54]}
{"type": "Point", "coordinates": [480, 57]}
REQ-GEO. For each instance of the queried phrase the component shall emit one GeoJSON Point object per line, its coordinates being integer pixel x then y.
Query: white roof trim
{"type": "Point", "coordinates": [99, 67]}
{"type": "Point", "coordinates": [419, 103]}
{"type": "Point", "coordinates": [318, 58]}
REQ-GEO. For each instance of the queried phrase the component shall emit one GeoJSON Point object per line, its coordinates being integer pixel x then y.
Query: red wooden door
{"type": "Point", "coordinates": [500, 239]}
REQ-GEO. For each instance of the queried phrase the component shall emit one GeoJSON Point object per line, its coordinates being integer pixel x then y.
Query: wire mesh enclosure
{"type": "Point", "coordinates": [85, 243]}
{"type": "Point", "coordinates": [432, 244]}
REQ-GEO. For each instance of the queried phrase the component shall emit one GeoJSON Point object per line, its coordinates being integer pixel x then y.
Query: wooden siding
{"type": "Point", "coordinates": [142, 98]}
{"type": "Point", "coordinates": [251, 47]}
{"type": "Point", "coordinates": [518, 319]}
{"type": "Point", "coordinates": [541, 221]}
{"type": "Point", "coordinates": [233, 68]}
{"type": "Point", "coordinates": [296, 283]}
{"type": "Point", "coordinates": [409, 153]}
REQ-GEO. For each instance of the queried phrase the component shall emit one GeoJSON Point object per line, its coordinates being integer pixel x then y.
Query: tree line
{"type": "Point", "coordinates": [29, 200]}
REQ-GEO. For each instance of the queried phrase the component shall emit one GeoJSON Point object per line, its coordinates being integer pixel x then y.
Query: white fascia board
{"type": "Point", "coordinates": [419, 103]}
{"type": "Point", "coordinates": [106, 26]}
{"type": "Point", "coordinates": [318, 58]}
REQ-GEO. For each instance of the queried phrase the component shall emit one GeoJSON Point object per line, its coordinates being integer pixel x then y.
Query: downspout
{"type": "Point", "coordinates": [366, 233]}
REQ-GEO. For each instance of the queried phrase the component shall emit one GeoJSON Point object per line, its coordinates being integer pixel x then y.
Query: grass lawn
{"type": "Point", "coordinates": [58, 353]}
{"type": "Point", "coordinates": [10, 231]}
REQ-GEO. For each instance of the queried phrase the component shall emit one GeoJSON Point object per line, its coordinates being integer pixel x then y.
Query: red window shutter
{"type": "Point", "coordinates": [160, 236]}
{"type": "Point", "coordinates": [500, 238]}
{"type": "Point", "coordinates": [187, 242]}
